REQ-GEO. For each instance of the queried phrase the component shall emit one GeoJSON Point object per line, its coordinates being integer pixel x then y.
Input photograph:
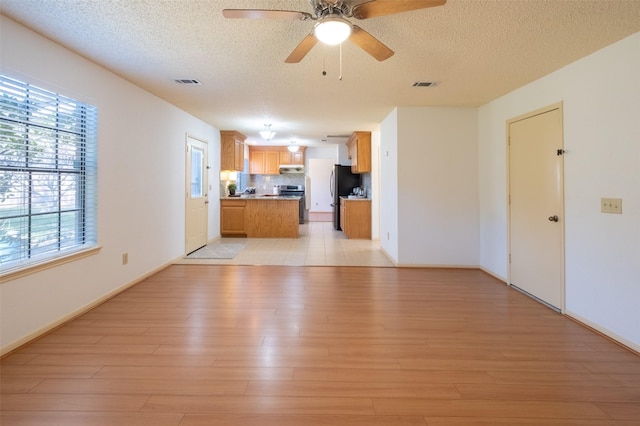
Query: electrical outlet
{"type": "Point", "coordinates": [125, 258]}
{"type": "Point", "coordinates": [611, 205]}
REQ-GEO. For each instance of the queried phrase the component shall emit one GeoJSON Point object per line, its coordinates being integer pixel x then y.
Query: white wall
{"type": "Point", "coordinates": [389, 240]}
{"type": "Point", "coordinates": [375, 185]}
{"type": "Point", "coordinates": [435, 158]}
{"type": "Point", "coordinates": [141, 184]}
{"type": "Point", "coordinates": [601, 98]}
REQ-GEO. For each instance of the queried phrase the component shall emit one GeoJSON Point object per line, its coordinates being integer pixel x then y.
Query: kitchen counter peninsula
{"type": "Point", "coordinates": [259, 216]}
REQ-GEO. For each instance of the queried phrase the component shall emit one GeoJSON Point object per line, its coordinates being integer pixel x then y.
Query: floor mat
{"type": "Point", "coordinates": [217, 251]}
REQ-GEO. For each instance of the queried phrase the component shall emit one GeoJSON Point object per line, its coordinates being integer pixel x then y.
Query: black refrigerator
{"type": "Point", "coordinates": [342, 184]}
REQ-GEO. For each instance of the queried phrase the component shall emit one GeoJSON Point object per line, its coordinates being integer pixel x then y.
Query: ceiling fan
{"type": "Point", "coordinates": [333, 27]}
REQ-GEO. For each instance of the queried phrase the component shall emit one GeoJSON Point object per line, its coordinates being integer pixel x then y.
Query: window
{"type": "Point", "coordinates": [47, 175]}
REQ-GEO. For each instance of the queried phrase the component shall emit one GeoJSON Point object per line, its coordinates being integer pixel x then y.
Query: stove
{"type": "Point", "coordinates": [294, 191]}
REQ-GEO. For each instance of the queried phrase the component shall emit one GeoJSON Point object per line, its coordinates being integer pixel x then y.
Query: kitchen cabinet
{"type": "Point", "coordinates": [287, 157]}
{"type": "Point", "coordinates": [355, 218]}
{"type": "Point", "coordinates": [232, 218]}
{"type": "Point", "coordinates": [232, 150]}
{"type": "Point", "coordinates": [267, 160]}
{"type": "Point", "coordinates": [359, 147]}
{"type": "Point", "coordinates": [268, 217]}
{"type": "Point", "coordinates": [264, 162]}
{"type": "Point", "coordinates": [272, 217]}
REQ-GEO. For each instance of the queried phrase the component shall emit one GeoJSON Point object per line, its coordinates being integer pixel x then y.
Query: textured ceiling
{"type": "Point", "coordinates": [476, 51]}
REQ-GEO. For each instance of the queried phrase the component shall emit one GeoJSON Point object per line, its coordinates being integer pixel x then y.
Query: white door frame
{"type": "Point", "coordinates": [557, 106]}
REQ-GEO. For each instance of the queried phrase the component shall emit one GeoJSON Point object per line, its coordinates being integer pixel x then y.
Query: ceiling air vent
{"type": "Point", "coordinates": [424, 84]}
{"type": "Point", "coordinates": [187, 81]}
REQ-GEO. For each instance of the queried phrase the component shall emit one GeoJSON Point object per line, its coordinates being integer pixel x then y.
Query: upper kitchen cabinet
{"type": "Point", "coordinates": [264, 160]}
{"type": "Point", "coordinates": [287, 157]}
{"type": "Point", "coordinates": [232, 150]}
{"type": "Point", "coordinates": [359, 147]}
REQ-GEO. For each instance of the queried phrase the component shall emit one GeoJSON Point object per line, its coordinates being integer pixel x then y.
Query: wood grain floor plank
{"type": "Point", "coordinates": [391, 375]}
{"type": "Point", "coordinates": [120, 359]}
{"type": "Point", "coordinates": [10, 385]}
{"type": "Point", "coordinates": [76, 418]}
{"type": "Point", "coordinates": [482, 364]}
{"type": "Point", "coordinates": [352, 389]}
{"type": "Point", "coordinates": [517, 421]}
{"type": "Point", "coordinates": [195, 373]}
{"type": "Point", "coordinates": [488, 408]}
{"type": "Point", "coordinates": [140, 387]}
{"type": "Point", "coordinates": [87, 349]}
{"type": "Point", "coordinates": [259, 405]}
{"type": "Point", "coordinates": [298, 420]}
{"type": "Point", "coordinates": [549, 393]}
{"type": "Point", "coordinates": [243, 352]}
{"type": "Point", "coordinates": [621, 410]}
{"type": "Point", "coordinates": [48, 371]}
{"type": "Point", "coordinates": [284, 358]}
{"type": "Point", "coordinates": [349, 346]}
{"type": "Point", "coordinates": [62, 402]}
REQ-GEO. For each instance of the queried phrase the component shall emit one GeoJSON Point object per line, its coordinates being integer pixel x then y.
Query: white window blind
{"type": "Point", "coordinates": [47, 175]}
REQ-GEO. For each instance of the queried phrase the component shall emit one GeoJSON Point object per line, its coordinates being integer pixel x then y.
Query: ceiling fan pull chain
{"type": "Point", "coordinates": [324, 60]}
{"type": "Point", "coordinates": [340, 78]}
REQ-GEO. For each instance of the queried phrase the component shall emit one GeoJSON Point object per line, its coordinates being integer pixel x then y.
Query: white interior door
{"type": "Point", "coordinates": [196, 194]}
{"type": "Point", "coordinates": [536, 205]}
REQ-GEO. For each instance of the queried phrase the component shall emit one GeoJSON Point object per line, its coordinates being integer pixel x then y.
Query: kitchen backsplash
{"type": "Point", "coordinates": [264, 183]}
{"type": "Point", "coordinates": [365, 182]}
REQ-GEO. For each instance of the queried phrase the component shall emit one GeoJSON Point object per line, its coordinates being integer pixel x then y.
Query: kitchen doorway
{"type": "Point", "coordinates": [536, 214]}
{"type": "Point", "coordinates": [196, 190]}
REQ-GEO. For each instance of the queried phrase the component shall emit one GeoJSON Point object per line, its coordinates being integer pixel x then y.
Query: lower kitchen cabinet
{"type": "Point", "coordinates": [232, 218]}
{"type": "Point", "coordinates": [355, 218]}
{"type": "Point", "coordinates": [259, 217]}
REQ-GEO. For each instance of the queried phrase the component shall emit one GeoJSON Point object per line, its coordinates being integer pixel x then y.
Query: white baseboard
{"type": "Point", "coordinates": [604, 331]}
{"type": "Point", "coordinates": [72, 315]}
{"type": "Point", "coordinates": [436, 266]}
{"type": "Point", "coordinates": [493, 274]}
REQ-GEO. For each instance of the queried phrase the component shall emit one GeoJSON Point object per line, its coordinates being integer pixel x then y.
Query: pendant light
{"type": "Point", "coordinates": [266, 133]}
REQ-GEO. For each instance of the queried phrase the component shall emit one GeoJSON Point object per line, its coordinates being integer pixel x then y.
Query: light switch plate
{"type": "Point", "coordinates": [611, 205]}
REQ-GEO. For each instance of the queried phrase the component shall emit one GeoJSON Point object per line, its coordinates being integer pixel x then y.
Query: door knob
{"type": "Point", "coordinates": [553, 218]}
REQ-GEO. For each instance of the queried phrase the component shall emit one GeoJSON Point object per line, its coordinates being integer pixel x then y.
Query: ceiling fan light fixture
{"type": "Point", "coordinates": [332, 30]}
{"type": "Point", "coordinates": [266, 133]}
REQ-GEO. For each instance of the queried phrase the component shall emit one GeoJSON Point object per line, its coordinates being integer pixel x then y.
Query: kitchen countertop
{"type": "Point", "coordinates": [355, 198]}
{"type": "Point", "coordinates": [261, 197]}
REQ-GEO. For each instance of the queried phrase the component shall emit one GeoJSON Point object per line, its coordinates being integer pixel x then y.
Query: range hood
{"type": "Point", "coordinates": [291, 168]}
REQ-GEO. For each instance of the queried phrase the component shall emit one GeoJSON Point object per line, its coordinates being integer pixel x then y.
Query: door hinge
{"type": "Point", "coordinates": [559, 152]}
{"type": "Point", "coordinates": [509, 257]}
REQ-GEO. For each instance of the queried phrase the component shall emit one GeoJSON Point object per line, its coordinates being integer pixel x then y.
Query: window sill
{"type": "Point", "coordinates": [28, 270]}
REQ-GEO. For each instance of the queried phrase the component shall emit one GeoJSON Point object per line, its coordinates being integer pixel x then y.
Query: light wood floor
{"type": "Point", "coordinates": [283, 346]}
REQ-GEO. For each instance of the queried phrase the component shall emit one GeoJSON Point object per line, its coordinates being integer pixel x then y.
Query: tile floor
{"type": "Point", "coordinates": [319, 244]}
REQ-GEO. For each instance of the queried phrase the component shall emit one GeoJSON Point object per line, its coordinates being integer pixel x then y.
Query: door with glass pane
{"type": "Point", "coordinates": [196, 194]}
